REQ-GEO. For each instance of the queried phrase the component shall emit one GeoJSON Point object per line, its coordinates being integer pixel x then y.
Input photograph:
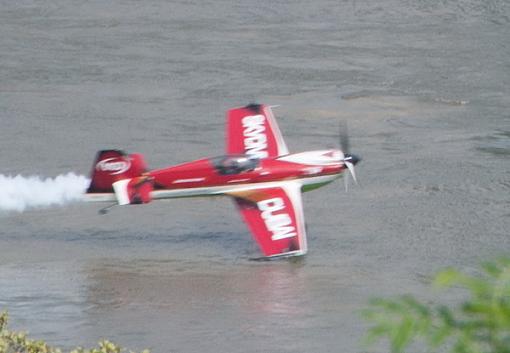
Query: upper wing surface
{"type": "Point", "coordinates": [253, 130]}
{"type": "Point", "coordinates": [275, 218]}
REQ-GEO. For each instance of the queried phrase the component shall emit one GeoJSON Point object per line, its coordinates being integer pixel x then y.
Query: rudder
{"type": "Point", "coordinates": [111, 166]}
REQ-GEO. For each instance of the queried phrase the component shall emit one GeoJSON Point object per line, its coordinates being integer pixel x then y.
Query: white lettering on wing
{"type": "Point", "coordinates": [255, 139]}
{"type": "Point", "coordinates": [279, 224]}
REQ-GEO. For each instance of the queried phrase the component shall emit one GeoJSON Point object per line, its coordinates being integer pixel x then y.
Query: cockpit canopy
{"type": "Point", "coordinates": [234, 164]}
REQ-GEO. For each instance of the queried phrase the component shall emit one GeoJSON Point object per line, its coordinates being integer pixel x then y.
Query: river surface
{"type": "Point", "coordinates": [423, 86]}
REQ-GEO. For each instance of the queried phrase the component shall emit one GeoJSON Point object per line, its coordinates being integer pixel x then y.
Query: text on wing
{"type": "Point", "coordinates": [255, 139]}
{"type": "Point", "coordinates": [279, 224]}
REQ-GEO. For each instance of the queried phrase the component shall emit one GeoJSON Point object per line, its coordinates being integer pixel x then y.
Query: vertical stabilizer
{"type": "Point", "coordinates": [114, 165]}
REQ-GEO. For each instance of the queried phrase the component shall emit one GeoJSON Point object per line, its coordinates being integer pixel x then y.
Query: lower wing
{"type": "Point", "coordinates": [275, 218]}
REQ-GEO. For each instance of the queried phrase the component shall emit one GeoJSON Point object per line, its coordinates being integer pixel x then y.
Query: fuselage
{"type": "Point", "coordinates": [204, 177]}
{"type": "Point", "coordinates": [209, 177]}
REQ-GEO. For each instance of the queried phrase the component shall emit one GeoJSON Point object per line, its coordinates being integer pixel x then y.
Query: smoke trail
{"type": "Point", "coordinates": [19, 193]}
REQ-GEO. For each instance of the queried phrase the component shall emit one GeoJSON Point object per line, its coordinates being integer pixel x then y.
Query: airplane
{"type": "Point", "coordinates": [257, 171]}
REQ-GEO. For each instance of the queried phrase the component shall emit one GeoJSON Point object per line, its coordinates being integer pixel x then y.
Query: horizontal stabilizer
{"type": "Point", "coordinates": [133, 191]}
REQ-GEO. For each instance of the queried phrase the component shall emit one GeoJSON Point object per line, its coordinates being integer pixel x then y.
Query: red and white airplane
{"type": "Point", "coordinates": [258, 172]}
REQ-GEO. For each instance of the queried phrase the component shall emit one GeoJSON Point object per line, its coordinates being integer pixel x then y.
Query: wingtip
{"type": "Point", "coordinates": [291, 255]}
{"type": "Point", "coordinates": [255, 107]}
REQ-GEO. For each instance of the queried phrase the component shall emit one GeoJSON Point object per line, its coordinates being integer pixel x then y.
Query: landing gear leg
{"type": "Point", "coordinates": [106, 209]}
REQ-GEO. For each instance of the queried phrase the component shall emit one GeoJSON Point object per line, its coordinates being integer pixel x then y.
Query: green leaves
{"type": "Point", "coordinates": [17, 342]}
{"type": "Point", "coordinates": [400, 320]}
{"type": "Point", "coordinates": [4, 317]}
{"type": "Point", "coordinates": [479, 324]}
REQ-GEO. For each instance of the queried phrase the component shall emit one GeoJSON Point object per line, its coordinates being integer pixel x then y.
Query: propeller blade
{"type": "Point", "coordinates": [348, 159]}
{"type": "Point", "coordinates": [350, 166]}
{"type": "Point", "coordinates": [343, 135]}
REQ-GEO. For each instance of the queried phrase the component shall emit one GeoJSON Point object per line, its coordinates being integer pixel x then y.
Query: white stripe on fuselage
{"type": "Point", "coordinates": [315, 158]}
{"type": "Point", "coordinates": [191, 180]}
{"type": "Point", "coordinates": [225, 189]}
{"type": "Point", "coordinates": [213, 190]}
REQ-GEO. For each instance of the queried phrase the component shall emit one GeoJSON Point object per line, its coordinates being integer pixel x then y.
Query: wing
{"type": "Point", "coordinates": [253, 130]}
{"type": "Point", "coordinates": [275, 218]}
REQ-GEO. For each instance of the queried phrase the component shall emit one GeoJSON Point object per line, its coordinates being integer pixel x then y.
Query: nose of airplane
{"type": "Point", "coordinates": [352, 158]}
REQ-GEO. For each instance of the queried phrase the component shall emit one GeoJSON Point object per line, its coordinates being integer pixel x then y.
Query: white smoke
{"type": "Point", "coordinates": [19, 193]}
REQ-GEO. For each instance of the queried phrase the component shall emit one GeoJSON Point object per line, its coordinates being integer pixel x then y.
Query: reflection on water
{"type": "Point", "coordinates": [258, 307]}
{"type": "Point", "coordinates": [279, 306]}
{"type": "Point", "coordinates": [257, 301]}
{"type": "Point", "coordinates": [45, 299]}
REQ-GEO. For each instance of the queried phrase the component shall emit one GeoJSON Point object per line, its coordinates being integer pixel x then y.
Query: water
{"type": "Point", "coordinates": [423, 87]}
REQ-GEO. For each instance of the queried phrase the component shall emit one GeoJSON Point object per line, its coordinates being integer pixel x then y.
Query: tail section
{"type": "Point", "coordinates": [111, 166]}
{"type": "Point", "coordinates": [133, 191]}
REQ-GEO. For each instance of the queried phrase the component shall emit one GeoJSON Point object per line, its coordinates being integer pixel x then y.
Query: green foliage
{"type": "Point", "coordinates": [18, 342]}
{"type": "Point", "coordinates": [479, 324]}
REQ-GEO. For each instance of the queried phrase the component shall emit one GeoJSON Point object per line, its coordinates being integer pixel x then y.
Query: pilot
{"type": "Point", "coordinates": [228, 166]}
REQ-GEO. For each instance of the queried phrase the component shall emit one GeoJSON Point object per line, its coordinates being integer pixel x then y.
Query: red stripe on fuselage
{"type": "Point", "coordinates": [201, 173]}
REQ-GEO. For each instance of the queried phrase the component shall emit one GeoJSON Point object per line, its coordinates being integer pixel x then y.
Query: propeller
{"type": "Point", "coordinates": [349, 159]}
{"type": "Point", "coordinates": [343, 136]}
